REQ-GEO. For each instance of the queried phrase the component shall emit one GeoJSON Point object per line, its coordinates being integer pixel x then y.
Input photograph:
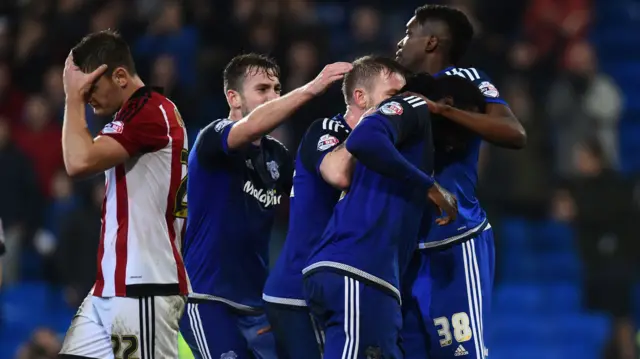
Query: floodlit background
{"type": "Point", "coordinates": [564, 210]}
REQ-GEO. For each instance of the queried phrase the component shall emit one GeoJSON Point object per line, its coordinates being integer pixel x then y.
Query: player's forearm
{"type": "Point", "coordinates": [76, 139]}
{"type": "Point", "coordinates": [337, 168]}
{"type": "Point", "coordinates": [501, 129]}
{"type": "Point", "coordinates": [265, 118]}
{"type": "Point", "coordinates": [372, 146]}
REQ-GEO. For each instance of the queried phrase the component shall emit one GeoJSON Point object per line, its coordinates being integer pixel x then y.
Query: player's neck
{"type": "Point", "coordinates": [235, 115]}
{"type": "Point", "coordinates": [434, 65]}
{"type": "Point", "coordinates": [352, 115]}
{"type": "Point", "coordinates": [136, 84]}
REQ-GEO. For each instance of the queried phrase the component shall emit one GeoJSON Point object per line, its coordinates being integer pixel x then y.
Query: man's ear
{"type": "Point", "coordinates": [359, 97]}
{"type": "Point", "coordinates": [431, 43]}
{"type": "Point", "coordinates": [233, 99]}
{"type": "Point", "coordinates": [120, 77]}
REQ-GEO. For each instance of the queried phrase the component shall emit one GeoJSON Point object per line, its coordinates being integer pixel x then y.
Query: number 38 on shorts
{"type": "Point", "coordinates": [459, 324]}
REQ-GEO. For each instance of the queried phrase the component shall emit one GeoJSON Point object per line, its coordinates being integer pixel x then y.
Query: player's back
{"type": "Point", "coordinates": [232, 197]}
{"type": "Point", "coordinates": [311, 205]}
{"type": "Point", "coordinates": [372, 231]}
{"type": "Point", "coordinates": [457, 172]}
{"type": "Point", "coordinates": [139, 252]}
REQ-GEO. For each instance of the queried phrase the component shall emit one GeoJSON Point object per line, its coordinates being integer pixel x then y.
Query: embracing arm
{"type": "Point", "coordinates": [337, 167]}
{"type": "Point", "coordinates": [498, 125]}
{"type": "Point", "coordinates": [373, 144]}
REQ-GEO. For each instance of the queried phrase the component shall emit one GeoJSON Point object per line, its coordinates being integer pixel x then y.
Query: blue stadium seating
{"type": "Point", "coordinates": [536, 309]}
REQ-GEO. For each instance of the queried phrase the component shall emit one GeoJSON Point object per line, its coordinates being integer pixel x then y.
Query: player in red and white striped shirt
{"type": "Point", "coordinates": [139, 295]}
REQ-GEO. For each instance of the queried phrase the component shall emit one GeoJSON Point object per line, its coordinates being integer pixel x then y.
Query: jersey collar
{"type": "Point", "coordinates": [340, 118]}
{"type": "Point", "coordinates": [441, 72]}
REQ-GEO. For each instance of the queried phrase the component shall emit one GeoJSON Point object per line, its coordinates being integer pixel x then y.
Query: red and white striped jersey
{"type": "Point", "coordinates": [144, 207]}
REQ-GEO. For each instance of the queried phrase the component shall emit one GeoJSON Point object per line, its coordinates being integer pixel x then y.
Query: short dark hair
{"type": "Point", "coordinates": [365, 69]}
{"type": "Point", "coordinates": [460, 27]}
{"type": "Point", "coordinates": [236, 70]}
{"type": "Point", "coordinates": [103, 47]}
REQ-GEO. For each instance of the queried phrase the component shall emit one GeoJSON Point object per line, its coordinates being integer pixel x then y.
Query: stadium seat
{"type": "Point", "coordinates": [537, 299]}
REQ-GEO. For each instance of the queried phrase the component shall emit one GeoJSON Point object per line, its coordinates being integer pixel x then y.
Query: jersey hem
{"type": "Point", "coordinates": [284, 301]}
{"type": "Point", "coordinates": [485, 225]}
{"type": "Point", "coordinates": [197, 297]}
{"type": "Point", "coordinates": [350, 271]}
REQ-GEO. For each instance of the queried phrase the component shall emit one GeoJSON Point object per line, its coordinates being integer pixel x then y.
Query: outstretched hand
{"type": "Point", "coordinates": [77, 84]}
{"type": "Point", "coordinates": [329, 74]}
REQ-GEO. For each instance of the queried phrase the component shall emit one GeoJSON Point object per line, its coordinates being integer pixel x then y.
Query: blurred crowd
{"type": "Point", "coordinates": [536, 51]}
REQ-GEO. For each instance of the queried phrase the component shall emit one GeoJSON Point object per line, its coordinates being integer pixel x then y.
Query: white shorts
{"type": "Point", "coordinates": [125, 328]}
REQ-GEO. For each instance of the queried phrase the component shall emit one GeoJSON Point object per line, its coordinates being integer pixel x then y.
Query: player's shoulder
{"type": "Point", "coordinates": [334, 126]}
{"type": "Point", "coordinates": [478, 77]}
{"type": "Point", "coordinates": [275, 144]}
{"type": "Point", "coordinates": [401, 104]}
{"type": "Point", "coordinates": [277, 149]}
{"type": "Point", "coordinates": [469, 73]}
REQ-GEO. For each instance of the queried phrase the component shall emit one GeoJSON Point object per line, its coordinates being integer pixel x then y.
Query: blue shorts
{"type": "Point", "coordinates": [359, 320]}
{"type": "Point", "coordinates": [215, 330]}
{"type": "Point", "coordinates": [447, 300]}
{"type": "Point", "coordinates": [297, 333]}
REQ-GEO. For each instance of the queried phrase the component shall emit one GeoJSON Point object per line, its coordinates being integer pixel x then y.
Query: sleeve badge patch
{"type": "Point", "coordinates": [326, 142]}
{"type": "Point", "coordinates": [221, 125]}
{"type": "Point", "coordinates": [392, 108]}
{"type": "Point", "coordinates": [488, 90]}
{"type": "Point", "coordinates": [113, 127]}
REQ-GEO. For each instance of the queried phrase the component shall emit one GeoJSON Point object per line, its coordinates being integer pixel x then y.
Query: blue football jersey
{"type": "Point", "coordinates": [311, 205]}
{"type": "Point", "coordinates": [459, 174]}
{"type": "Point", "coordinates": [231, 198]}
{"type": "Point", "coordinates": [371, 234]}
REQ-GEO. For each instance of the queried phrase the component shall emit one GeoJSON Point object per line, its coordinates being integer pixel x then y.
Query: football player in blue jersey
{"type": "Point", "coordinates": [351, 281]}
{"type": "Point", "coordinates": [323, 169]}
{"type": "Point", "coordinates": [236, 176]}
{"type": "Point", "coordinates": [452, 277]}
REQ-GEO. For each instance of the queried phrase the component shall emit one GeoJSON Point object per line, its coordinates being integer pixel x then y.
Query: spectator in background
{"type": "Point", "coordinates": [43, 344]}
{"type": "Point", "coordinates": [53, 91]}
{"type": "Point", "coordinates": [18, 184]}
{"type": "Point", "coordinates": [366, 34]}
{"type": "Point", "coordinates": [599, 204]}
{"type": "Point", "coordinates": [78, 244]}
{"type": "Point", "coordinates": [11, 99]}
{"type": "Point", "coordinates": [516, 182]}
{"type": "Point", "coordinates": [62, 202]}
{"type": "Point", "coordinates": [583, 103]}
{"type": "Point", "coordinates": [168, 35]}
{"type": "Point", "coordinates": [38, 136]}
{"type": "Point", "coordinates": [32, 54]}
{"type": "Point", "coordinates": [164, 75]}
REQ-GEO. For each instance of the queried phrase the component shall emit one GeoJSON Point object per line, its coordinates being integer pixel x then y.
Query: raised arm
{"type": "Point", "coordinates": [265, 118]}
{"type": "Point", "coordinates": [82, 155]}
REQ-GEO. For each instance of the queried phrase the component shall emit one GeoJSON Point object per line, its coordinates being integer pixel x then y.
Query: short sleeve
{"type": "Point", "coordinates": [140, 132]}
{"type": "Point", "coordinates": [487, 88]}
{"type": "Point", "coordinates": [212, 140]}
{"type": "Point", "coordinates": [321, 138]}
{"type": "Point", "coordinates": [407, 114]}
